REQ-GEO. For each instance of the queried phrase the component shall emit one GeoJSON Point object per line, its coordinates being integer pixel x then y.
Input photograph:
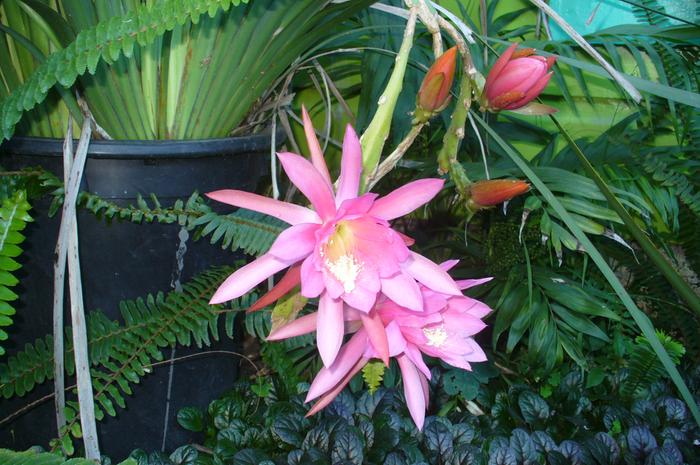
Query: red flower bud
{"type": "Point", "coordinates": [434, 93]}
{"type": "Point", "coordinates": [490, 193]}
{"type": "Point", "coordinates": [516, 79]}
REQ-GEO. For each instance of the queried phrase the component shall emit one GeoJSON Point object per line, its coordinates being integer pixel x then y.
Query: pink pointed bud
{"type": "Point", "coordinates": [489, 193]}
{"type": "Point", "coordinates": [434, 93]}
{"type": "Point", "coordinates": [517, 78]}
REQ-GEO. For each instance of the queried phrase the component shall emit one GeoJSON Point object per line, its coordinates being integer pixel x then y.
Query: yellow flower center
{"type": "Point", "coordinates": [436, 336]}
{"type": "Point", "coordinates": [339, 259]}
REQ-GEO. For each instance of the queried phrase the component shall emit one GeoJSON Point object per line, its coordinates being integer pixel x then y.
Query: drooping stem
{"type": "Point", "coordinates": [390, 161]}
{"type": "Point", "coordinates": [377, 132]}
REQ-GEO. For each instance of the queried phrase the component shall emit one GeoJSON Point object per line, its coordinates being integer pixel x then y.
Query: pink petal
{"type": "Point", "coordinates": [409, 241]}
{"type": "Point", "coordinates": [449, 264]}
{"type": "Point", "coordinates": [350, 167]}
{"type": "Point", "coordinates": [397, 343]}
{"type": "Point", "coordinates": [426, 388]}
{"type": "Point", "coordinates": [287, 212]}
{"type": "Point", "coordinates": [351, 314]}
{"type": "Point", "coordinates": [328, 397]}
{"type": "Point", "coordinates": [311, 279]}
{"type": "Point", "coordinates": [431, 275]}
{"type": "Point", "coordinates": [414, 354]}
{"type": "Point", "coordinates": [295, 243]}
{"type": "Point", "coordinates": [310, 182]}
{"type": "Point", "coordinates": [477, 354]}
{"type": "Point", "coordinates": [357, 205]}
{"type": "Point", "coordinates": [499, 65]}
{"type": "Point", "coordinates": [403, 290]}
{"type": "Point", "coordinates": [330, 328]}
{"type": "Point", "coordinates": [518, 75]}
{"type": "Point", "coordinates": [463, 324]}
{"type": "Point", "coordinates": [314, 147]}
{"type": "Point", "coordinates": [413, 390]}
{"type": "Point", "coordinates": [290, 280]}
{"type": "Point", "coordinates": [377, 335]}
{"type": "Point", "coordinates": [303, 325]}
{"type": "Point", "coordinates": [406, 198]}
{"type": "Point", "coordinates": [347, 357]}
{"type": "Point", "coordinates": [467, 283]}
{"type": "Point", "coordinates": [532, 92]}
{"type": "Point", "coordinates": [361, 298]}
{"type": "Point", "coordinates": [246, 278]}
{"type": "Point", "coordinates": [469, 306]}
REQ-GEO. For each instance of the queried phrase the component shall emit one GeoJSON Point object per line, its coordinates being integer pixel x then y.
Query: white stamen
{"type": "Point", "coordinates": [436, 336]}
{"type": "Point", "coordinates": [345, 269]}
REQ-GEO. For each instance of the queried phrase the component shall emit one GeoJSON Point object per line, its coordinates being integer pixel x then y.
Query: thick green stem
{"type": "Point", "coordinates": [378, 130]}
{"type": "Point", "coordinates": [447, 158]}
{"type": "Point", "coordinates": [676, 280]}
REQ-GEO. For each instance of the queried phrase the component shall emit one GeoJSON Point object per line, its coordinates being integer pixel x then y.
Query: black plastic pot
{"type": "Point", "coordinates": [124, 260]}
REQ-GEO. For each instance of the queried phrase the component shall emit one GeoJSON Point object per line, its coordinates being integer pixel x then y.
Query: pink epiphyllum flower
{"type": "Point", "coordinates": [444, 329]}
{"type": "Point", "coordinates": [516, 79]}
{"type": "Point", "coordinates": [346, 248]}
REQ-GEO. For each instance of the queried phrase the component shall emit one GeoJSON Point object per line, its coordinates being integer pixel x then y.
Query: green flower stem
{"type": "Point", "coordinates": [674, 278]}
{"type": "Point", "coordinates": [392, 159]}
{"type": "Point", "coordinates": [447, 158]}
{"type": "Point", "coordinates": [377, 132]}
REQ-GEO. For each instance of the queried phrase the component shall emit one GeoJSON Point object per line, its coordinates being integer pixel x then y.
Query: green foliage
{"type": "Point", "coordinates": [644, 367]}
{"type": "Point", "coordinates": [106, 41]}
{"type": "Point", "coordinates": [293, 359]}
{"type": "Point", "coordinates": [243, 229]}
{"type": "Point", "coordinates": [550, 314]}
{"type": "Point", "coordinates": [14, 216]}
{"type": "Point", "coordinates": [122, 353]}
{"type": "Point", "coordinates": [373, 374]}
{"type": "Point", "coordinates": [576, 424]}
{"type": "Point", "coordinates": [9, 457]}
{"type": "Point", "coordinates": [674, 177]}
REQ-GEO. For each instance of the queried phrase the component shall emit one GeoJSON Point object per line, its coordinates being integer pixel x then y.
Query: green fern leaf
{"type": "Point", "coordinates": [373, 374]}
{"type": "Point", "coordinates": [644, 366]}
{"type": "Point", "coordinates": [117, 35]}
{"type": "Point", "coordinates": [14, 216]}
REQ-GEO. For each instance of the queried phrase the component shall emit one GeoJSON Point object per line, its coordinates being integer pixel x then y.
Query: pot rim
{"type": "Point", "coordinates": [144, 149]}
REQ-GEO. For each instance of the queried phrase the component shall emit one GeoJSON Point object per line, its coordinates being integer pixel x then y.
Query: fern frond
{"type": "Point", "coordinates": [122, 353]}
{"type": "Point", "coordinates": [243, 229]}
{"type": "Point", "coordinates": [14, 216]}
{"type": "Point", "coordinates": [106, 41]}
{"type": "Point", "coordinates": [672, 177]}
{"type": "Point", "coordinates": [644, 366]}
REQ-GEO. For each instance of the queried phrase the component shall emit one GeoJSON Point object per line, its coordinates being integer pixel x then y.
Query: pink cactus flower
{"type": "Point", "coordinates": [444, 330]}
{"type": "Point", "coordinates": [344, 244]}
{"type": "Point", "coordinates": [516, 79]}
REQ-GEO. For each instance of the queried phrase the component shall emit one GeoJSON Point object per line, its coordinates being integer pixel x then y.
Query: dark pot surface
{"type": "Point", "coordinates": [121, 261]}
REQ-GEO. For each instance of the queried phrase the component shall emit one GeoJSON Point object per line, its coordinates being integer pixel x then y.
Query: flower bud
{"type": "Point", "coordinates": [516, 79]}
{"type": "Point", "coordinates": [489, 193]}
{"type": "Point", "coordinates": [434, 93]}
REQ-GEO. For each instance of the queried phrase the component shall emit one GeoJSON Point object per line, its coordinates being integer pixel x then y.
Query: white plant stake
{"type": "Point", "coordinates": [67, 251]}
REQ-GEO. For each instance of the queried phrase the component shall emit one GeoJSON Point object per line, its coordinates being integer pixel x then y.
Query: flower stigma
{"type": "Point", "coordinates": [436, 336]}
{"type": "Point", "coordinates": [339, 259]}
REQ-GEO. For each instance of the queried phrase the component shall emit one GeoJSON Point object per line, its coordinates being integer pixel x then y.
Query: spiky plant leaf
{"type": "Point", "coordinates": [14, 216]}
